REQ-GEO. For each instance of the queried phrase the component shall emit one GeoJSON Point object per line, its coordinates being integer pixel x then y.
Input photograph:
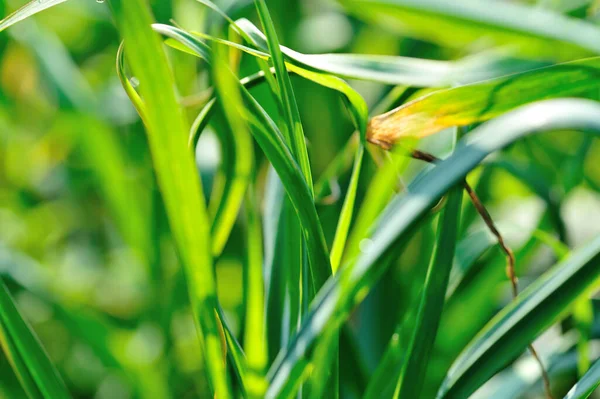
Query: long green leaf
{"type": "Point", "coordinates": [431, 302]}
{"type": "Point", "coordinates": [531, 30]}
{"type": "Point", "coordinates": [509, 333]}
{"type": "Point", "coordinates": [356, 104]}
{"type": "Point", "coordinates": [17, 365]}
{"type": "Point", "coordinates": [237, 166]}
{"type": "Point", "coordinates": [341, 293]}
{"type": "Point", "coordinates": [479, 102]}
{"type": "Point", "coordinates": [271, 140]}
{"type": "Point", "coordinates": [296, 139]}
{"type": "Point", "coordinates": [587, 384]}
{"type": "Point", "coordinates": [343, 226]}
{"type": "Point", "coordinates": [396, 70]}
{"type": "Point", "coordinates": [20, 336]}
{"type": "Point", "coordinates": [177, 176]}
{"type": "Point", "coordinates": [255, 336]}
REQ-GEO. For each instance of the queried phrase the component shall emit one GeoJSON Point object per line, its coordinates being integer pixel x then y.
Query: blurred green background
{"type": "Point", "coordinates": [85, 246]}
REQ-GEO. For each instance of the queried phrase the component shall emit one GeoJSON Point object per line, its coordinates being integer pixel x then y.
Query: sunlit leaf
{"type": "Point", "coordinates": [479, 102]}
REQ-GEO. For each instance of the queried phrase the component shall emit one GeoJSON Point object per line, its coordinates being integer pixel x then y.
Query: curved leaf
{"type": "Point", "coordinates": [397, 70]}
{"type": "Point", "coordinates": [479, 102]}
{"type": "Point", "coordinates": [177, 176]}
{"type": "Point", "coordinates": [511, 331]}
{"type": "Point", "coordinates": [347, 288]}
{"type": "Point", "coordinates": [532, 30]}
{"type": "Point", "coordinates": [295, 132]}
{"type": "Point", "coordinates": [270, 139]}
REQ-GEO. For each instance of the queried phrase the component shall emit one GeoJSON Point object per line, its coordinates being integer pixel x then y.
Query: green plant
{"type": "Point", "coordinates": [309, 259]}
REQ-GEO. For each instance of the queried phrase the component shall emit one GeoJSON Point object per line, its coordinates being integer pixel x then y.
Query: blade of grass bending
{"type": "Point", "coordinates": [479, 291]}
{"type": "Point", "coordinates": [29, 9]}
{"type": "Point", "coordinates": [177, 176]}
{"type": "Point", "coordinates": [294, 241]}
{"type": "Point", "coordinates": [243, 165]}
{"type": "Point", "coordinates": [270, 139]}
{"type": "Point", "coordinates": [431, 303]}
{"type": "Point", "coordinates": [29, 349]}
{"type": "Point", "coordinates": [531, 30]}
{"type": "Point", "coordinates": [296, 139]}
{"type": "Point", "coordinates": [133, 95]}
{"type": "Point", "coordinates": [356, 104]}
{"type": "Point", "coordinates": [237, 152]}
{"type": "Point", "coordinates": [348, 287]}
{"type": "Point", "coordinates": [505, 336]}
{"type": "Point", "coordinates": [358, 107]}
{"type": "Point", "coordinates": [587, 384]}
{"type": "Point", "coordinates": [200, 123]}
{"type": "Point", "coordinates": [387, 69]}
{"type": "Point", "coordinates": [479, 102]}
{"type": "Point", "coordinates": [395, 70]}
{"type": "Point", "coordinates": [263, 65]}
{"type": "Point", "coordinates": [237, 177]}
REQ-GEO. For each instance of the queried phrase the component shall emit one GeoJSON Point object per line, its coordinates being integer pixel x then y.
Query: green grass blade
{"type": "Point", "coordinates": [133, 95]}
{"type": "Point", "coordinates": [271, 140]}
{"type": "Point", "coordinates": [201, 122]}
{"type": "Point", "coordinates": [479, 102]}
{"type": "Point", "coordinates": [531, 30]}
{"type": "Point", "coordinates": [587, 384]}
{"type": "Point", "coordinates": [29, 9]}
{"type": "Point", "coordinates": [352, 283]}
{"type": "Point", "coordinates": [296, 139]}
{"type": "Point", "coordinates": [237, 165]}
{"type": "Point", "coordinates": [30, 351]}
{"type": "Point", "coordinates": [343, 226]}
{"type": "Point", "coordinates": [177, 176]}
{"type": "Point", "coordinates": [274, 218]}
{"type": "Point", "coordinates": [264, 65]}
{"type": "Point", "coordinates": [509, 333]}
{"type": "Point", "coordinates": [384, 378]}
{"type": "Point", "coordinates": [431, 303]}
{"type": "Point", "coordinates": [396, 70]}
{"type": "Point", "coordinates": [255, 337]}
{"type": "Point", "coordinates": [17, 365]}
{"type": "Point", "coordinates": [387, 69]}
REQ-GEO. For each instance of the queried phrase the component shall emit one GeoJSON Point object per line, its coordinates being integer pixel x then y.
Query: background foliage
{"type": "Point", "coordinates": [108, 243]}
